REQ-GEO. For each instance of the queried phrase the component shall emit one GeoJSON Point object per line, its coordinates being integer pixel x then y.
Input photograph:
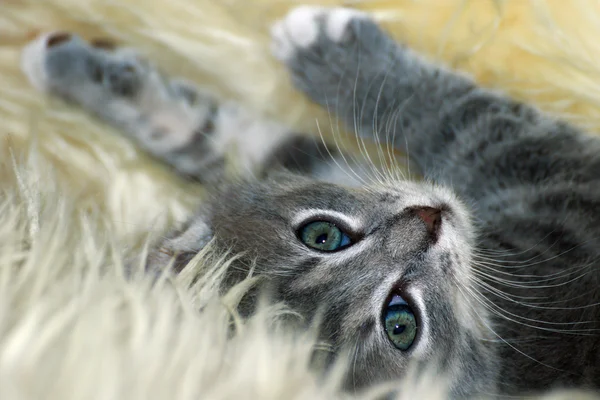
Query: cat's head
{"type": "Point", "coordinates": [385, 269]}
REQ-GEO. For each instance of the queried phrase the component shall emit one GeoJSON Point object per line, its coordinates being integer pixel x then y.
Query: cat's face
{"type": "Point", "coordinates": [386, 269]}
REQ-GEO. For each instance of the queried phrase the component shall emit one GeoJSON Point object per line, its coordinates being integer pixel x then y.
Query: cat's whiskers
{"type": "Point", "coordinates": [511, 298]}
{"type": "Point", "coordinates": [390, 143]}
{"type": "Point", "coordinates": [499, 312]}
{"type": "Point", "coordinates": [478, 265]}
{"type": "Point", "coordinates": [494, 260]}
{"type": "Point", "coordinates": [357, 116]}
{"type": "Point", "coordinates": [335, 131]}
{"type": "Point", "coordinates": [479, 280]}
{"type": "Point", "coordinates": [488, 252]}
{"type": "Point", "coordinates": [533, 279]}
{"type": "Point", "coordinates": [482, 280]}
{"type": "Point", "coordinates": [392, 172]}
{"type": "Point", "coordinates": [372, 174]}
{"type": "Point", "coordinates": [485, 321]}
{"type": "Point", "coordinates": [502, 313]}
{"type": "Point", "coordinates": [349, 169]}
{"type": "Point", "coordinates": [388, 170]}
{"type": "Point", "coordinates": [349, 166]}
{"type": "Point", "coordinates": [391, 126]}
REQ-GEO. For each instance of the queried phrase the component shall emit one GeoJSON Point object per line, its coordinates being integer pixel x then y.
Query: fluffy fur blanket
{"type": "Point", "coordinates": [77, 200]}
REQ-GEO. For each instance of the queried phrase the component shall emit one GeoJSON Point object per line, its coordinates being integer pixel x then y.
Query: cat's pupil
{"type": "Point", "coordinates": [321, 239]}
{"type": "Point", "coordinates": [398, 329]}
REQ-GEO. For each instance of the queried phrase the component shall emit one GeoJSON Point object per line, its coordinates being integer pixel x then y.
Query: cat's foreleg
{"type": "Point", "coordinates": [344, 61]}
{"type": "Point", "coordinates": [474, 139]}
{"type": "Point", "coordinates": [188, 128]}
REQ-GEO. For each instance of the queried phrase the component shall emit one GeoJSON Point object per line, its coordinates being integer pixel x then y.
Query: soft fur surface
{"type": "Point", "coordinates": [78, 200]}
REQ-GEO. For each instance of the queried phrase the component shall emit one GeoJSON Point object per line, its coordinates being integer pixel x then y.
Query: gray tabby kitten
{"type": "Point", "coordinates": [494, 281]}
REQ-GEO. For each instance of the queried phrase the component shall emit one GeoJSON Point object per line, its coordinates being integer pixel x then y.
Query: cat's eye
{"type": "Point", "coordinates": [324, 236]}
{"type": "Point", "coordinates": [400, 323]}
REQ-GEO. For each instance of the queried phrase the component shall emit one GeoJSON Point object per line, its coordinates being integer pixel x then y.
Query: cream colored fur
{"type": "Point", "coordinates": [77, 200]}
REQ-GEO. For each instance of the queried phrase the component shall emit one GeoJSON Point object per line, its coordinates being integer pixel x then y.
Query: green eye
{"type": "Point", "coordinates": [400, 323]}
{"type": "Point", "coordinates": [324, 236]}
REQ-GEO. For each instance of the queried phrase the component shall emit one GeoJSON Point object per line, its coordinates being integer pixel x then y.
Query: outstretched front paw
{"type": "Point", "coordinates": [314, 28]}
{"type": "Point", "coordinates": [180, 124]}
{"type": "Point", "coordinates": [168, 117]}
{"type": "Point", "coordinates": [329, 50]}
{"type": "Point", "coordinates": [64, 64]}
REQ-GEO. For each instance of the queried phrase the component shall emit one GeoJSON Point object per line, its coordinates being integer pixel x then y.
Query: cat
{"type": "Point", "coordinates": [487, 269]}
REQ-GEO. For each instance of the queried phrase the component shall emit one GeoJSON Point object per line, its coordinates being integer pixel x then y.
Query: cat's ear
{"type": "Point", "coordinates": [177, 249]}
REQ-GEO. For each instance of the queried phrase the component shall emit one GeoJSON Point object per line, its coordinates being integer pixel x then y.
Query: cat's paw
{"type": "Point", "coordinates": [307, 27]}
{"type": "Point", "coordinates": [169, 118]}
{"type": "Point", "coordinates": [179, 123]}
{"type": "Point", "coordinates": [62, 63]}
{"type": "Point", "coordinates": [329, 51]}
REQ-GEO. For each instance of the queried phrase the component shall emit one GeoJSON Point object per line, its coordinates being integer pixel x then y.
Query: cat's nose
{"type": "Point", "coordinates": [432, 217]}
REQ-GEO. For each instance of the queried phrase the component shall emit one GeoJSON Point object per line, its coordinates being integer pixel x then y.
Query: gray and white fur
{"type": "Point", "coordinates": [496, 251]}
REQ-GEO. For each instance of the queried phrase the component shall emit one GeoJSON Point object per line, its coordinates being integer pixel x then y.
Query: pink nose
{"type": "Point", "coordinates": [432, 217]}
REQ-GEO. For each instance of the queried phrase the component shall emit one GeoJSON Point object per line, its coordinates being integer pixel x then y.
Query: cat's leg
{"type": "Point", "coordinates": [188, 128]}
{"type": "Point", "coordinates": [168, 119]}
{"type": "Point", "coordinates": [455, 131]}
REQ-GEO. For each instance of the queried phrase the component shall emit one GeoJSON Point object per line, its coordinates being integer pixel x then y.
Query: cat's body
{"type": "Point", "coordinates": [502, 293]}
